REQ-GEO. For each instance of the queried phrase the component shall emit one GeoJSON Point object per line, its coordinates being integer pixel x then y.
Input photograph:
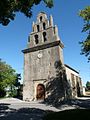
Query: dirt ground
{"type": "Point", "coordinates": [15, 109]}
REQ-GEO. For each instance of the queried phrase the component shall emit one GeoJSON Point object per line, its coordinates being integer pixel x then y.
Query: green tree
{"type": "Point", "coordinates": [18, 85]}
{"type": "Point", "coordinates": [85, 45]}
{"type": "Point", "coordinates": [88, 85]}
{"type": "Point", "coordinates": [8, 8]}
{"type": "Point", "coordinates": [7, 77]}
{"type": "Point", "coordinates": [18, 77]}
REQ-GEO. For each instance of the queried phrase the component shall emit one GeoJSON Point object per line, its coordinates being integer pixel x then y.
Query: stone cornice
{"type": "Point", "coordinates": [44, 46]}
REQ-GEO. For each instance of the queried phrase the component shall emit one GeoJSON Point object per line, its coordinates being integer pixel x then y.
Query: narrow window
{"type": "Point", "coordinates": [54, 30]}
{"type": "Point", "coordinates": [36, 39]}
{"type": "Point", "coordinates": [28, 38]}
{"type": "Point", "coordinates": [38, 29]}
{"type": "Point", "coordinates": [41, 19]}
{"type": "Point", "coordinates": [44, 26]}
{"type": "Point", "coordinates": [73, 80]}
{"type": "Point", "coordinates": [44, 36]}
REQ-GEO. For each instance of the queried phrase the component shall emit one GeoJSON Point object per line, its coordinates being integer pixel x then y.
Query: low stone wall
{"type": "Point", "coordinates": [87, 93]}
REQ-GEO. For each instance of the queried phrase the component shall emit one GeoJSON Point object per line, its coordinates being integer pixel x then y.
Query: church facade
{"type": "Point", "coordinates": [75, 81]}
{"type": "Point", "coordinates": [43, 55]}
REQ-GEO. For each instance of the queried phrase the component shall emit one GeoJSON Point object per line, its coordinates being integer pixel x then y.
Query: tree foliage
{"type": "Point", "coordinates": [8, 8]}
{"type": "Point", "coordinates": [8, 77]}
{"type": "Point", "coordinates": [88, 85]}
{"type": "Point", "coordinates": [85, 45]}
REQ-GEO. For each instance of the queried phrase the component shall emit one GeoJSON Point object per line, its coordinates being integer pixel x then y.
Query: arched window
{"type": "Point", "coordinates": [38, 29]}
{"type": "Point", "coordinates": [44, 26]}
{"type": "Point", "coordinates": [40, 18]}
{"type": "Point", "coordinates": [44, 36]}
{"type": "Point", "coordinates": [36, 39]}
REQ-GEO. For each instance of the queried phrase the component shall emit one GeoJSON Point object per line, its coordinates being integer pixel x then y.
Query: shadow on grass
{"type": "Point", "coordinates": [76, 114]}
{"type": "Point", "coordinates": [7, 113]}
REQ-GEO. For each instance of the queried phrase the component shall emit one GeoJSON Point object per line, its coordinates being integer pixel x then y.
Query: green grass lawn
{"type": "Point", "coordinates": [75, 114]}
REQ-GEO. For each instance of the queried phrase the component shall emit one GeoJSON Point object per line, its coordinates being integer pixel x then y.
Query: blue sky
{"type": "Point", "coordinates": [13, 38]}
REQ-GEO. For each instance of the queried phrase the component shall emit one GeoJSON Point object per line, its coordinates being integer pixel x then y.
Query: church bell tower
{"type": "Point", "coordinates": [43, 50]}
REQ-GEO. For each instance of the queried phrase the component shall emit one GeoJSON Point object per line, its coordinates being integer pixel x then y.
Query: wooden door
{"type": "Point", "coordinates": [40, 92]}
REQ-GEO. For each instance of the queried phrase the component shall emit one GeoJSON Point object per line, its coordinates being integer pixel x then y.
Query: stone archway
{"type": "Point", "coordinates": [40, 92]}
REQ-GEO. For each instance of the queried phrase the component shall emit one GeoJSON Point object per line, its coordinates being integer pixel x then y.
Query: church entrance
{"type": "Point", "coordinates": [40, 95]}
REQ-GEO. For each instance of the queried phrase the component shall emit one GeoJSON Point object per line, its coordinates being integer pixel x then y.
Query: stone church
{"type": "Point", "coordinates": [45, 75]}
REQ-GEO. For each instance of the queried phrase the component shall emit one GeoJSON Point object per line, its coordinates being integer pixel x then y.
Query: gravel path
{"type": "Point", "coordinates": [15, 109]}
